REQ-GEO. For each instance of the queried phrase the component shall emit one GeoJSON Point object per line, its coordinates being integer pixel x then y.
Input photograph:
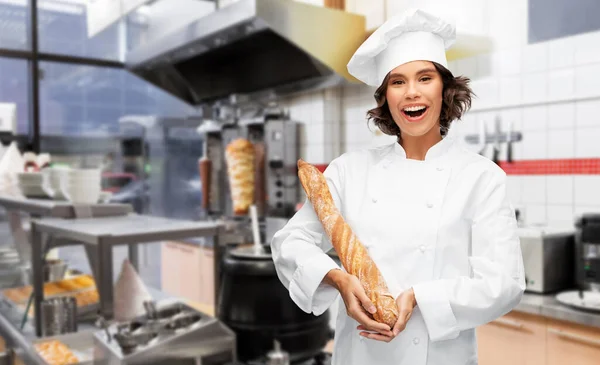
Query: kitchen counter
{"type": "Point", "coordinates": [548, 306]}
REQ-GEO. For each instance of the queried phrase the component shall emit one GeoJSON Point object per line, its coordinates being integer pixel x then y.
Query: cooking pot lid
{"type": "Point", "coordinates": [251, 252]}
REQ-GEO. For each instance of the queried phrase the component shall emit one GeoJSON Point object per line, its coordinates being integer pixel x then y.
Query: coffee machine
{"type": "Point", "coordinates": [587, 252]}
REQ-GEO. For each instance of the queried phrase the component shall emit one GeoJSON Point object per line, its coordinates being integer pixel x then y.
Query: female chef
{"type": "Point", "coordinates": [433, 216]}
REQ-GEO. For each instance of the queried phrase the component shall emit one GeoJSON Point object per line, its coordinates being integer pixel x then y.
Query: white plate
{"type": "Point", "coordinates": [590, 300]}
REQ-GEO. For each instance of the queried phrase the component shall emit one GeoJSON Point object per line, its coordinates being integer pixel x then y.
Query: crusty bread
{"type": "Point", "coordinates": [240, 168]}
{"type": "Point", "coordinates": [352, 253]}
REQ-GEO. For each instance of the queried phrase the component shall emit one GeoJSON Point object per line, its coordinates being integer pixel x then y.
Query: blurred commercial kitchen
{"type": "Point", "coordinates": [114, 119]}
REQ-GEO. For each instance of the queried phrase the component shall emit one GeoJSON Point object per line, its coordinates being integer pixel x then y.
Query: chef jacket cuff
{"type": "Point", "coordinates": [307, 289]}
{"type": "Point", "coordinates": [436, 310]}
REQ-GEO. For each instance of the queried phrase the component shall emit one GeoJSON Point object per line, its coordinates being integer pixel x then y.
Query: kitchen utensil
{"type": "Point", "coordinates": [59, 316]}
{"type": "Point", "coordinates": [255, 229]}
{"type": "Point", "coordinates": [509, 143]}
{"type": "Point", "coordinates": [205, 168]}
{"type": "Point", "coordinates": [497, 137]}
{"type": "Point", "coordinates": [590, 300]}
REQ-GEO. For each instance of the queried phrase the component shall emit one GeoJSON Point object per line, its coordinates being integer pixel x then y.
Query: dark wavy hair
{"type": "Point", "coordinates": [456, 100]}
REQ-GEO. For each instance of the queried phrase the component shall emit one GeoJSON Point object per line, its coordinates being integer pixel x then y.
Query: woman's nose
{"type": "Point", "coordinates": [412, 91]}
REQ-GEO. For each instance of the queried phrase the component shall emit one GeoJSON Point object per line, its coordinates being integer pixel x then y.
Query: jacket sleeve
{"type": "Point", "coordinates": [299, 252]}
{"type": "Point", "coordinates": [496, 283]}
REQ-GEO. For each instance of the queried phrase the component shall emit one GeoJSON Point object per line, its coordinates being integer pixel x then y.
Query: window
{"type": "Point", "coordinates": [80, 100]}
{"type": "Point", "coordinates": [63, 29]}
{"type": "Point", "coordinates": [14, 88]}
{"type": "Point", "coordinates": [14, 18]}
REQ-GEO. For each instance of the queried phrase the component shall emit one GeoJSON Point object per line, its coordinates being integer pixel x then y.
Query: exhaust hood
{"type": "Point", "coordinates": [252, 47]}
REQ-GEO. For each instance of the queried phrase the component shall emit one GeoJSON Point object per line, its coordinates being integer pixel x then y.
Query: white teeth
{"type": "Point", "coordinates": [414, 108]}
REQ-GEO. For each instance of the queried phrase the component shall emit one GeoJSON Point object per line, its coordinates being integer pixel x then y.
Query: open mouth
{"type": "Point", "coordinates": [414, 113]}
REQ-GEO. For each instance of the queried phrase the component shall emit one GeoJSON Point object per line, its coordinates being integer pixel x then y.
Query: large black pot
{"type": "Point", "coordinates": [258, 308]}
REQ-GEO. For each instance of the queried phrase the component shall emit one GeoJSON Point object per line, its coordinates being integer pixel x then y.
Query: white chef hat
{"type": "Point", "coordinates": [410, 36]}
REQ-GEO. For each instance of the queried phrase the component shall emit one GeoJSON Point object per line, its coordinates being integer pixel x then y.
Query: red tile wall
{"type": "Point", "coordinates": [570, 166]}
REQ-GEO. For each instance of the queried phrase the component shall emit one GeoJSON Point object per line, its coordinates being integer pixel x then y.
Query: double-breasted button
{"type": "Point", "coordinates": [422, 248]}
{"type": "Point", "coordinates": [439, 168]}
{"type": "Point", "coordinates": [416, 340]}
{"type": "Point", "coordinates": [374, 199]}
{"type": "Point", "coordinates": [429, 205]}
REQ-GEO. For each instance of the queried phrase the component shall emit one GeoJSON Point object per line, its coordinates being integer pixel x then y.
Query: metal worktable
{"type": "Point", "coordinates": [35, 208]}
{"type": "Point", "coordinates": [99, 235]}
{"type": "Point", "coordinates": [60, 209]}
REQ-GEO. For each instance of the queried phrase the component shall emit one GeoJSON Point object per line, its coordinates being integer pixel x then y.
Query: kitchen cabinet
{"type": "Point", "coordinates": [187, 271]}
{"type": "Point", "coordinates": [569, 343]}
{"type": "Point", "coordinates": [526, 339]}
{"type": "Point", "coordinates": [516, 339]}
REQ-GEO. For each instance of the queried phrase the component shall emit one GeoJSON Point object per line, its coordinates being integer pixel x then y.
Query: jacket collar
{"type": "Point", "coordinates": [437, 150]}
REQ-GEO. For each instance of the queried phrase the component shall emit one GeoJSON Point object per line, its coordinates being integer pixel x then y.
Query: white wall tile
{"type": "Point", "coordinates": [510, 90]}
{"type": "Point", "coordinates": [561, 52]}
{"type": "Point", "coordinates": [487, 91]}
{"type": "Point", "coordinates": [587, 80]}
{"type": "Point", "coordinates": [315, 153]}
{"type": "Point", "coordinates": [586, 189]}
{"type": "Point", "coordinates": [484, 66]}
{"type": "Point", "coordinates": [534, 214]}
{"type": "Point", "coordinates": [587, 142]}
{"type": "Point", "coordinates": [561, 116]}
{"type": "Point", "coordinates": [356, 133]}
{"type": "Point", "coordinates": [561, 143]}
{"type": "Point", "coordinates": [467, 67]}
{"type": "Point", "coordinates": [510, 61]}
{"type": "Point", "coordinates": [535, 57]}
{"type": "Point", "coordinates": [535, 145]}
{"type": "Point", "coordinates": [514, 189]}
{"type": "Point", "coordinates": [559, 189]}
{"type": "Point", "coordinates": [535, 118]}
{"type": "Point", "coordinates": [561, 84]}
{"type": "Point", "coordinates": [586, 48]}
{"type": "Point", "coordinates": [534, 189]}
{"type": "Point", "coordinates": [315, 133]}
{"type": "Point", "coordinates": [535, 87]}
{"type": "Point", "coordinates": [514, 115]}
{"type": "Point", "coordinates": [560, 214]}
{"type": "Point", "coordinates": [587, 113]}
{"type": "Point", "coordinates": [579, 210]}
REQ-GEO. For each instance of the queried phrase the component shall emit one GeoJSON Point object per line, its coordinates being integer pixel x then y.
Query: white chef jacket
{"type": "Point", "coordinates": [443, 226]}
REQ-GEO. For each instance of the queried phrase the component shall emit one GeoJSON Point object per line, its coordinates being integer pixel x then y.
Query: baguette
{"type": "Point", "coordinates": [352, 253]}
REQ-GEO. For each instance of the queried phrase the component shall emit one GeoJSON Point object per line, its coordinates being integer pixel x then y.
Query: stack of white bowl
{"type": "Point", "coordinates": [81, 186]}
{"type": "Point", "coordinates": [30, 184]}
{"type": "Point", "coordinates": [52, 177]}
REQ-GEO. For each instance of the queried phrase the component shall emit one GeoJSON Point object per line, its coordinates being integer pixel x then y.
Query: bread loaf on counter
{"type": "Point", "coordinates": [352, 253]}
{"type": "Point", "coordinates": [240, 157]}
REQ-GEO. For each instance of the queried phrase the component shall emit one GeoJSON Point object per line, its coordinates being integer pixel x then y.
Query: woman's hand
{"type": "Point", "coordinates": [406, 303]}
{"type": "Point", "coordinates": [358, 305]}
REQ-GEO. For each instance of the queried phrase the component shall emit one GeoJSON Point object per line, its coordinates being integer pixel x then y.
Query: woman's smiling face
{"type": "Point", "coordinates": [414, 97]}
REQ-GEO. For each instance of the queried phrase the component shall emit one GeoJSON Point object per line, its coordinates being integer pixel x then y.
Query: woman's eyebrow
{"type": "Point", "coordinates": [420, 72]}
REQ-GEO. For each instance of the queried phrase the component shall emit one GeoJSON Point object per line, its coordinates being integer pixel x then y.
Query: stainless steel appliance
{"type": "Point", "coordinates": [587, 252]}
{"type": "Point", "coordinates": [175, 334]}
{"type": "Point", "coordinates": [547, 258]}
{"type": "Point", "coordinates": [256, 47]}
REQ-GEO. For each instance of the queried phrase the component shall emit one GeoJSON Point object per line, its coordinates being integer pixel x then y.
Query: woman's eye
{"type": "Point", "coordinates": [426, 78]}
{"type": "Point", "coordinates": [397, 82]}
